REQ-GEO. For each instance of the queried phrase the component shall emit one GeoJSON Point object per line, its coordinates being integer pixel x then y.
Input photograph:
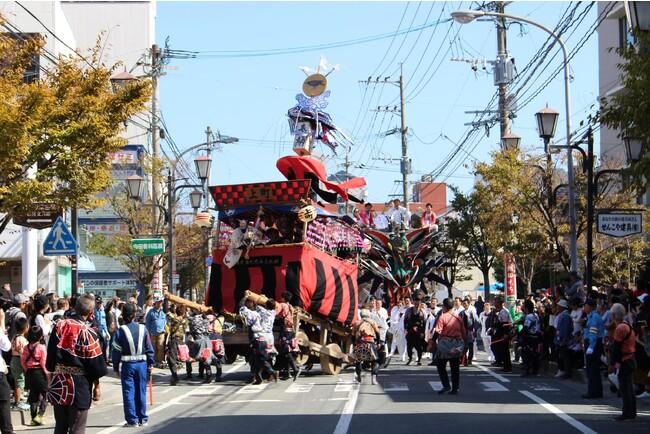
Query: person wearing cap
{"type": "Point", "coordinates": [593, 336]}
{"type": "Point", "coordinates": [155, 321]}
{"type": "Point", "coordinates": [15, 312]}
{"type": "Point", "coordinates": [563, 338]}
{"type": "Point", "coordinates": [133, 352]}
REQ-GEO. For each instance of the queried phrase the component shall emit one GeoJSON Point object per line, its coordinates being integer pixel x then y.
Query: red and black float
{"type": "Point", "coordinates": [275, 236]}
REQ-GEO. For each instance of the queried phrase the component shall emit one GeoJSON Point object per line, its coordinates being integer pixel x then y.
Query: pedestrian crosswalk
{"type": "Point", "coordinates": [344, 385]}
{"type": "Point", "coordinates": [300, 388]}
{"type": "Point", "coordinates": [252, 388]}
{"type": "Point", "coordinates": [493, 386]}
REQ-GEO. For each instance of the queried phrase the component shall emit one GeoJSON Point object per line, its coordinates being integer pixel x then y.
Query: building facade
{"type": "Point", "coordinates": [613, 33]}
{"type": "Point", "coordinates": [125, 32]}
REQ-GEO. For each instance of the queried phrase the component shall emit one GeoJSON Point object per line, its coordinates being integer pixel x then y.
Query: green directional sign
{"type": "Point", "coordinates": [149, 246]}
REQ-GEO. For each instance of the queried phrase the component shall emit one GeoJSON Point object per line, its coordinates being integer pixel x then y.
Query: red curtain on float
{"type": "Point", "coordinates": [321, 284]}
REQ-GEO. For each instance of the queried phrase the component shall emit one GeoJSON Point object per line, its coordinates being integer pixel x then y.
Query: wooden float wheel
{"type": "Point", "coordinates": [331, 365]}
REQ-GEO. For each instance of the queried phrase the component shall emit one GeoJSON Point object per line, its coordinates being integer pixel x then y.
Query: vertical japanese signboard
{"type": "Point", "coordinates": [511, 278]}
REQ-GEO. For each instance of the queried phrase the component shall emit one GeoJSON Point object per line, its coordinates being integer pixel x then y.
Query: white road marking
{"type": "Point", "coordinates": [206, 390]}
{"type": "Point", "coordinates": [435, 385]}
{"type": "Point", "coordinates": [344, 385]}
{"type": "Point", "coordinates": [493, 386]}
{"type": "Point", "coordinates": [241, 401]}
{"type": "Point", "coordinates": [234, 367]}
{"type": "Point", "coordinates": [346, 415]}
{"type": "Point", "coordinates": [396, 387]}
{"type": "Point", "coordinates": [173, 401]}
{"type": "Point", "coordinates": [559, 413]}
{"type": "Point", "coordinates": [299, 388]}
{"type": "Point", "coordinates": [253, 388]}
{"type": "Point", "coordinates": [501, 378]}
{"type": "Point", "coordinates": [544, 388]}
{"type": "Point", "coordinates": [167, 390]}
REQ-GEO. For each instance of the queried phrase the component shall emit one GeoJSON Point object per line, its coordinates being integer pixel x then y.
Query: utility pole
{"type": "Point", "coordinates": [502, 80]}
{"type": "Point", "coordinates": [155, 132]}
{"type": "Point", "coordinates": [405, 165]}
{"type": "Point", "coordinates": [405, 162]}
{"type": "Point", "coordinates": [156, 70]}
{"type": "Point", "coordinates": [502, 56]}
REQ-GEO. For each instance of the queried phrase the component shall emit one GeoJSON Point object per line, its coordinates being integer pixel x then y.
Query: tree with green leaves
{"type": "Point", "coordinates": [453, 270]}
{"type": "Point", "coordinates": [140, 224]}
{"type": "Point", "coordinates": [474, 224]}
{"type": "Point", "coordinates": [521, 183]}
{"type": "Point", "coordinates": [190, 242]}
{"type": "Point", "coordinates": [57, 133]}
{"type": "Point", "coordinates": [628, 111]}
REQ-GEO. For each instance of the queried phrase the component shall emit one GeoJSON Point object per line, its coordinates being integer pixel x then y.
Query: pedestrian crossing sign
{"type": "Point", "coordinates": [59, 241]}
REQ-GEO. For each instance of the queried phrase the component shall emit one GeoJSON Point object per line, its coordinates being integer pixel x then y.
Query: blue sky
{"type": "Point", "coordinates": [247, 97]}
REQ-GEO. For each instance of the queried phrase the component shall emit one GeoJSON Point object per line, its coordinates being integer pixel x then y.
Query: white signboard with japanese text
{"type": "Point", "coordinates": [620, 224]}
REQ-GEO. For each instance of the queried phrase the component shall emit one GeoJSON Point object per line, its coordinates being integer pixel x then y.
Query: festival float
{"type": "Point", "coordinates": [277, 236]}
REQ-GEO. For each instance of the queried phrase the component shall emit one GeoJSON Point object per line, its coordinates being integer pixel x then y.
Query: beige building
{"type": "Point", "coordinates": [127, 30]}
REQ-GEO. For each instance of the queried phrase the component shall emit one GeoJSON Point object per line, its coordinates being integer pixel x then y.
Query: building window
{"type": "Point", "coordinates": [625, 37]}
{"type": "Point", "coordinates": [32, 72]}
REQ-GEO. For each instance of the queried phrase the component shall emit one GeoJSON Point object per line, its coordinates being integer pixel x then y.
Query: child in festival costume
{"type": "Point", "coordinates": [18, 344]}
{"type": "Point", "coordinates": [36, 376]}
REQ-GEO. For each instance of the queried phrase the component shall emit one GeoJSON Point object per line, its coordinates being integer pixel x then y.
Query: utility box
{"type": "Point", "coordinates": [504, 70]}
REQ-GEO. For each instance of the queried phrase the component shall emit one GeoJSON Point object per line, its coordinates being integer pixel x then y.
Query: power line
{"type": "Point", "coordinates": [54, 35]}
{"type": "Point", "coordinates": [415, 14]}
{"type": "Point", "coordinates": [392, 41]}
{"type": "Point", "coordinates": [308, 48]}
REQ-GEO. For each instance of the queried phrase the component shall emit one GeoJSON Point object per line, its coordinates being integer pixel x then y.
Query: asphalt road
{"type": "Point", "coordinates": [404, 401]}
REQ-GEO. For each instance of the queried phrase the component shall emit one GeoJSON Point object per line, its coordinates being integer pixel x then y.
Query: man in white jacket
{"type": "Point", "coordinates": [485, 337]}
{"type": "Point", "coordinates": [397, 330]}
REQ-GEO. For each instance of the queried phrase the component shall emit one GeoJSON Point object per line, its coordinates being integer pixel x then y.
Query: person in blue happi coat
{"type": "Point", "coordinates": [132, 350]}
{"type": "Point", "coordinates": [594, 332]}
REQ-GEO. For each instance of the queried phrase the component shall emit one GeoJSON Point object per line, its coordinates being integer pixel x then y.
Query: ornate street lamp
{"type": "Point", "coordinates": [546, 124]}
{"type": "Point", "coordinates": [510, 142]}
{"type": "Point", "coordinates": [195, 199]}
{"type": "Point", "coordinates": [134, 186]}
{"type": "Point", "coordinates": [633, 149]}
{"type": "Point", "coordinates": [203, 164]}
{"type": "Point", "coordinates": [638, 14]}
{"type": "Point", "coordinates": [121, 80]}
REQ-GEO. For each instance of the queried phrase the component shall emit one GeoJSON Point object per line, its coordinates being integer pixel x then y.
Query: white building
{"type": "Point", "coordinates": [126, 31]}
{"type": "Point", "coordinates": [613, 32]}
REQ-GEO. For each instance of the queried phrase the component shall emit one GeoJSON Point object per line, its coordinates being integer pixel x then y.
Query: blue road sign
{"type": "Point", "coordinates": [59, 241]}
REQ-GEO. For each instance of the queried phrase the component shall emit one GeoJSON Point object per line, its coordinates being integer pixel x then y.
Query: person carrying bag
{"type": "Point", "coordinates": [451, 335]}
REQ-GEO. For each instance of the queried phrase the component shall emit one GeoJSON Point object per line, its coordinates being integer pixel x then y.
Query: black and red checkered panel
{"type": "Point", "coordinates": [278, 192]}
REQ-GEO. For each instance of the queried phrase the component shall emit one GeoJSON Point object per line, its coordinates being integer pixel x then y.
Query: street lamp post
{"type": "Point", "coordinates": [510, 142]}
{"type": "Point", "coordinates": [134, 188]}
{"type": "Point", "coordinates": [546, 125]}
{"type": "Point", "coordinates": [467, 16]}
